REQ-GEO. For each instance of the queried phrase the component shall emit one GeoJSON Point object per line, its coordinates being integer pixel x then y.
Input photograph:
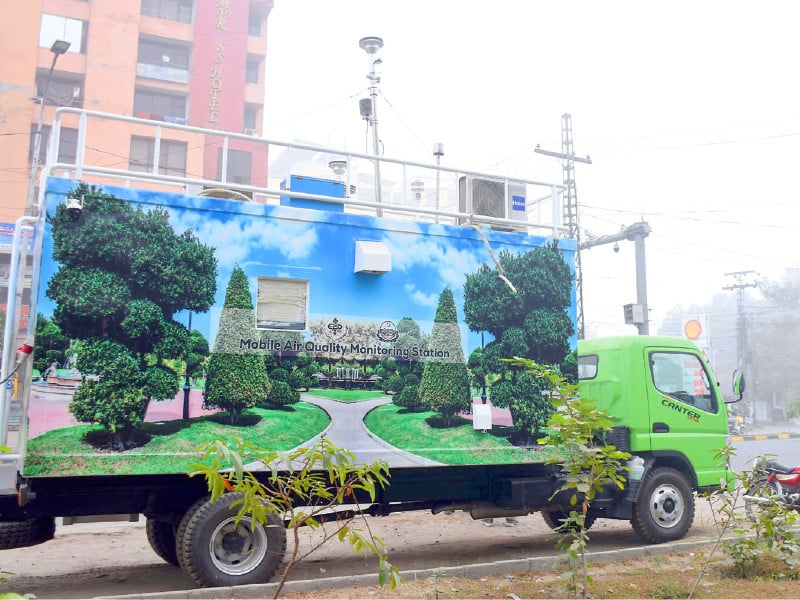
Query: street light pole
{"type": "Point", "coordinates": [483, 377]}
{"type": "Point", "coordinates": [58, 48]}
{"type": "Point", "coordinates": [186, 387]}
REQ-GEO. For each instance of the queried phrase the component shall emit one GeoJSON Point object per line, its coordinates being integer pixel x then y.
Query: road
{"type": "Point", "coordinates": [92, 560]}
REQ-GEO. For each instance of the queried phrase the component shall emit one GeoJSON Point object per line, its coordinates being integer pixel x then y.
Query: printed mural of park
{"type": "Point", "coordinates": [142, 281]}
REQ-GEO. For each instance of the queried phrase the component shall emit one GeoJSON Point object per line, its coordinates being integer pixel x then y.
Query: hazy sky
{"type": "Point", "coordinates": [690, 112]}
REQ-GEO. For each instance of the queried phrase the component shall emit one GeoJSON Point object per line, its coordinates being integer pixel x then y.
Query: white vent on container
{"type": "Point", "coordinates": [372, 257]}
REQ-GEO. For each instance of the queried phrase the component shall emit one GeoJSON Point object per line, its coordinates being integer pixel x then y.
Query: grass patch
{"type": "Point", "coordinates": [345, 395]}
{"type": "Point", "coordinates": [169, 446]}
{"type": "Point", "coordinates": [421, 433]}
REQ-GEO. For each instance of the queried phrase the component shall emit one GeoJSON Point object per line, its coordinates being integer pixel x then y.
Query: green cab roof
{"type": "Point", "coordinates": [633, 342]}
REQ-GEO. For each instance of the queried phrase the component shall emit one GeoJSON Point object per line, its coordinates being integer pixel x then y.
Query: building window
{"type": "Point", "coordinates": [55, 28]}
{"type": "Point", "coordinates": [250, 120]}
{"type": "Point", "coordinates": [254, 23]}
{"type": "Point", "coordinates": [252, 68]}
{"type": "Point", "coordinates": [239, 166]}
{"type": "Point", "coordinates": [63, 90]}
{"type": "Point", "coordinates": [282, 304]}
{"type": "Point", "coordinates": [67, 145]}
{"type": "Point", "coordinates": [149, 104]}
{"type": "Point", "coordinates": [164, 60]}
{"type": "Point", "coordinates": [171, 156]}
{"type": "Point", "coordinates": [174, 10]}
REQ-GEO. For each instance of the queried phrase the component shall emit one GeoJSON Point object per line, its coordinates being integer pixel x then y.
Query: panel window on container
{"type": "Point", "coordinates": [282, 304]}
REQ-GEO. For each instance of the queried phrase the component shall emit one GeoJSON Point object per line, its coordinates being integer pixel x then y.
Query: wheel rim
{"type": "Point", "coordinates": [236, 549]}
{"type": "Point", "coordinates": [762, 496]}
{"type": "Point", "coordinates": [666, 506]}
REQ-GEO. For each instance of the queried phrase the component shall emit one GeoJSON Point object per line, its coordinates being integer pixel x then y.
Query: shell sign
{"type": "Point", "coordinates": [692, 329]}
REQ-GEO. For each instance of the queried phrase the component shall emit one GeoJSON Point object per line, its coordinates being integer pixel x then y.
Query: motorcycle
{"type": "Point", "coordinates": [772, 482]}
{"type": "Point", "coordinates": [736, 425]}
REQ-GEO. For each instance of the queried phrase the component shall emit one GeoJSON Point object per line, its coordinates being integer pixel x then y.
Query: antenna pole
{"type": "Point", "coordinates": [371, 45]}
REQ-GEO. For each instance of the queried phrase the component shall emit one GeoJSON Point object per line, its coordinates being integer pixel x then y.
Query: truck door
{"type": "Point", "coordinates": [686, 413]}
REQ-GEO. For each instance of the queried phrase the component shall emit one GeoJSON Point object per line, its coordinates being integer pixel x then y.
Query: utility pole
{"type": "Point", "coordinates": [741, 327]}
{"type": "Point", "coordinates": [570, 204]}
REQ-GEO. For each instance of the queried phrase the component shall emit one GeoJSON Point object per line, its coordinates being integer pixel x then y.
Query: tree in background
{"type": "Point", "coordinates": [529, 321]}
{"type": "Point", "coordinates": [123, 274]}
{"type": "Point", "coordinates": [236, 377]}
{"type": "Point", "coordinates": [445, 381]}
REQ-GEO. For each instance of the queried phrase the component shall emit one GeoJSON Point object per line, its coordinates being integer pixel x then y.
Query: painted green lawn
{"type": "Point", "coordinates": [345, 395]}
{"type": "Point", "coordinates": [170, 446]}
{"type": "Point", "coordinates": [418, 433]}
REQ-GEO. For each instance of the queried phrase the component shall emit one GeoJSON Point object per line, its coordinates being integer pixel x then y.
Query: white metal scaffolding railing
{"type": "Point", "coordinates": [177, 157]}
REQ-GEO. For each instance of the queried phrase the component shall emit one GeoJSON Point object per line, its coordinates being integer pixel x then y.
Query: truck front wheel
{"type": "Point", "coordinates": [215, 550]}
{"type": "Point", "coordinates": [665, 509]}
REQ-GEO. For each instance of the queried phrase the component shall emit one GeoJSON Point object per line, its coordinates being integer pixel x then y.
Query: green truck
{"type": "Point", "coordinates": [125, 262]}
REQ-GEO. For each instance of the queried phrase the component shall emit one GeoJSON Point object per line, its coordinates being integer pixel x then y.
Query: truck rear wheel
{"type": "Point", "coordinates": [665, 509]}
{"type": "Point", "coordinates": [556, 518]}
{"type": "Point", "coordinates": [20, 534]}
{"type": "Point", "coordinates": [161, 536]}
{"type": "Point", "coordinates": [216, 551]}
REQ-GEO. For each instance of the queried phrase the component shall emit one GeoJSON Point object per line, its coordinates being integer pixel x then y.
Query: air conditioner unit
{"type": "Point", "coordinates": [248, 131]}
{"type": "Point", "coordinates": [76, 92]}
{"type": "Point", "coordinates": [487, 197]}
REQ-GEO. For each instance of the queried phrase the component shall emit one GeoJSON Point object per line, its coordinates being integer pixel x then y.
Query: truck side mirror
{"type": "Point", "coordinates": [738, 383]}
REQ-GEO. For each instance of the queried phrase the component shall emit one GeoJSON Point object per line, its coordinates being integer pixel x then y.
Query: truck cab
{"type": "Point", "coordinates": [667, 409]}
{"type": "Point", "coordinates": [662, 390]}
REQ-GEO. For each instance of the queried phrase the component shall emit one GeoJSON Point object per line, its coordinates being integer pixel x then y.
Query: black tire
{"type": "Point", "coordinates": [161, 536]}
{"type": "Point", "coordinates": [215, 552]}
{"type": "Point", "coordinates": [20, 534]}
{"type": "Point", "coordinates": [665, 509]}
{"type": "Point", "coordinates": [555, 519]}
{"type": "Point", "coordinates": [756, 498]}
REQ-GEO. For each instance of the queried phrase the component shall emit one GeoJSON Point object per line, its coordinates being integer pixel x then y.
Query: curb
{"type": "Point", "coordinates": [473, 571]}
{"type": "Point", "coordinates": [752, 437]}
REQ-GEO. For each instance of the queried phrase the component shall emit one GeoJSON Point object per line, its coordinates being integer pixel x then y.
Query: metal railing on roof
{"type": "Point", "coordinates": [409, 189]}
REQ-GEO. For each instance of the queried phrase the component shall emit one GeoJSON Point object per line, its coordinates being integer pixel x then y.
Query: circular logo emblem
{"type": "Point", "coordinates": [387, 332]}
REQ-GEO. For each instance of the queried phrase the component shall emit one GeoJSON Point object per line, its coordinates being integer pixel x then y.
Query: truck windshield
{"type": "Point", "coordinates": [682, 376]}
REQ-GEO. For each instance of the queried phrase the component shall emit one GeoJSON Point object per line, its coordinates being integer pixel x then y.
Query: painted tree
{"type": "Point", "coordinates": [198, 353]}
{"type": "Point", "coordinates": [445, 380]}
{"type": "Point", "coordinates": [527, 321]}
{"type": "Point", "coordinates": [409, 371]}
{"type": "Point", "coordinates": [123, 274]}
{"type": "Point", "coordinates": [236, 376]}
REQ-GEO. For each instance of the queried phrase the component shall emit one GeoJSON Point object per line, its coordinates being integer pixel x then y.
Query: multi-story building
{"type": "Point", "coordinates": [198, 62]}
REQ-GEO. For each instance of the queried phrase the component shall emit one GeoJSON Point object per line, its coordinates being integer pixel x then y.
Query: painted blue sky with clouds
{"type": "Point", "coordinates": [278, 241]}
